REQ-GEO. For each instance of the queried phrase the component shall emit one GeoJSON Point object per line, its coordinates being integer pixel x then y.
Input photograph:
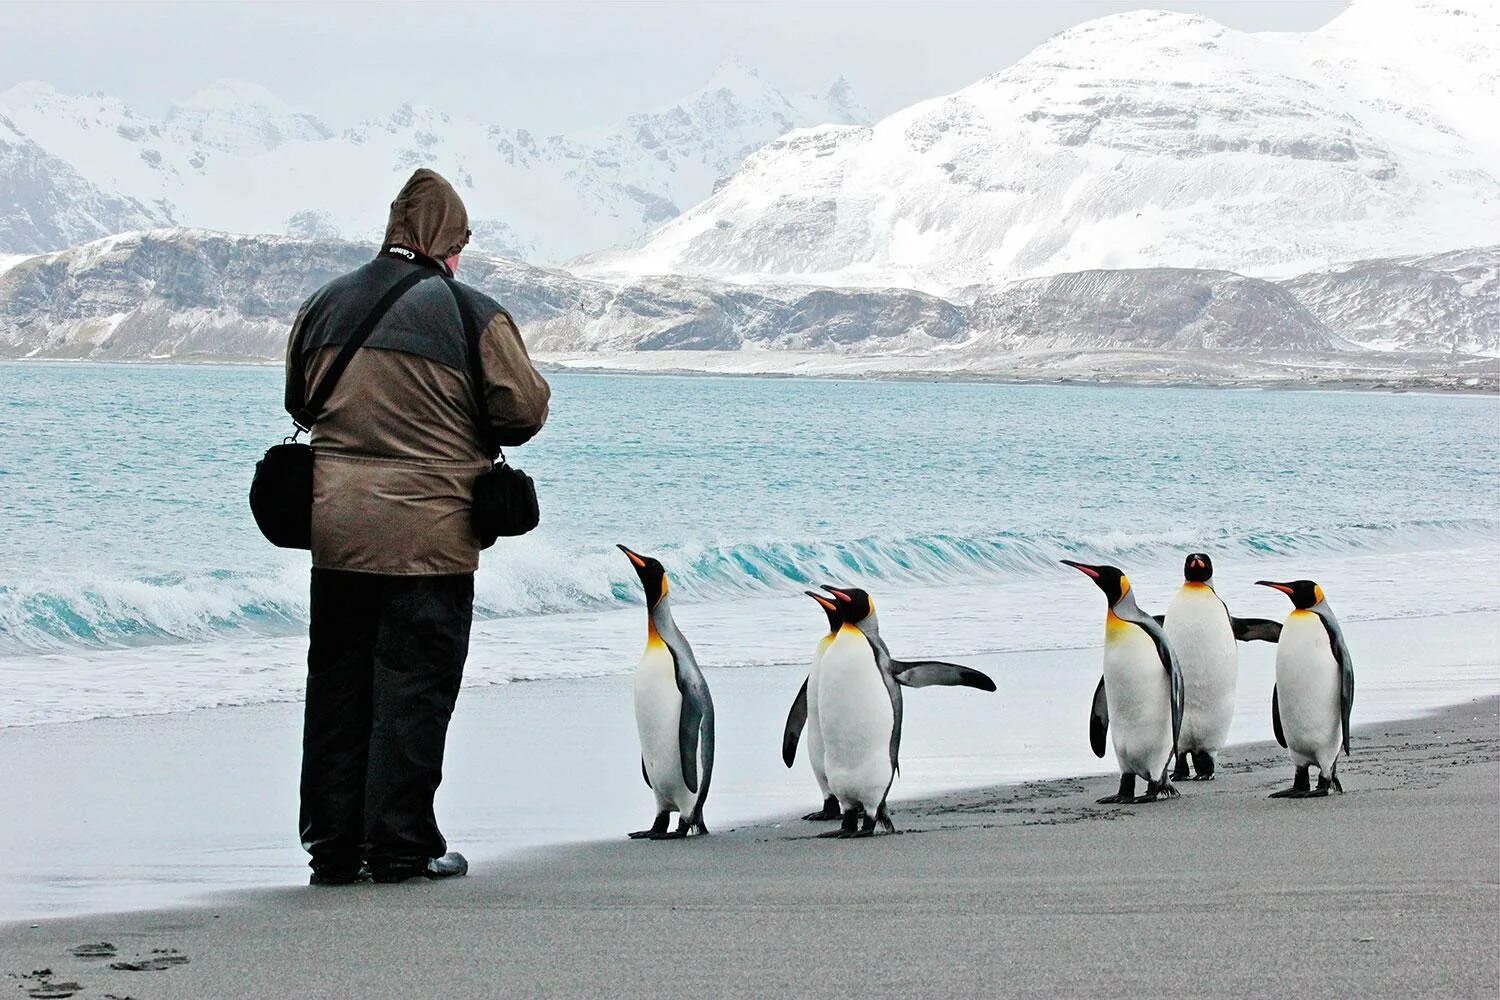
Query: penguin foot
{"type": "Point", "coordinates": [1289, 793]}
{"type": "Point", "coordinates": [862, 832]}
{"type": "Point", "coordinates": [677, 834]}
{"type": "Point", "coordinates": [1180, 772]}
{"type": "Point", "coordinates": [1202, 777]}
{"type": "Point", "coordinates": [829, 811]}
{"type": "Point", "coordinates": [826, 834]}
{"type": "Point", "coordinates": [658, 827]}
{"type": "Point", "coordinates": [1126, 792]}
{"type": "Point", "coordinates": [1316, 793]}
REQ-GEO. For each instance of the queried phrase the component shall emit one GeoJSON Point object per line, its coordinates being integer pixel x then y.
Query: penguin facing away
{"type": "Point", "coordinates": [1314, 692]}
{"type": "Point", "coordinates": [674, 714]}
{"type": "Point", "coordinates": [1202, 635]}
{"type": "Point", "coordinates": [1140, 694]}
{"type": "Point", "coordinates": [907, 673]}
{"type": "Point", "coordinates": [859, 712]}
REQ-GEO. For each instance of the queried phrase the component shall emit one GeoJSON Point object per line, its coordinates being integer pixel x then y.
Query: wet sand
{"type": "Point", "coordinates": [1030, 889]}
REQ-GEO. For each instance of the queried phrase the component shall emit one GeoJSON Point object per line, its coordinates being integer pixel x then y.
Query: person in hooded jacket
{"type": "Point", "coordinates": [397, 447]}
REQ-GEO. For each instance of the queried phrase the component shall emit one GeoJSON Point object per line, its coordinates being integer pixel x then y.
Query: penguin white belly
{"type": "Point", "coordinates": [658, 711]}
{"type": "Point", "coordinates": [856, 717]}
{"type": "Point", "coordinates": [1203, 643]}
{"type": "Point", "coordinates": [1308, 691]}
{"type": "Point", "coordinates": [814, 730]}
{"type": "Point", "coordinates": [1139, 692]}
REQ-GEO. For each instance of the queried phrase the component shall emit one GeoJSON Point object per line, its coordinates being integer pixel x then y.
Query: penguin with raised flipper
{"type": "Point", "coordinates": [1140, 694]}
{"type": "Point", "coordinates": [907, 673]}
{"type": "Point", "coordinates": [1204, 639]}
{"type": "Point", "coordinates": [674, 714]}
{"type": "Point", "coordinates": [859, 713]}
{"type": "Point", "coordinates": [1314, 692]}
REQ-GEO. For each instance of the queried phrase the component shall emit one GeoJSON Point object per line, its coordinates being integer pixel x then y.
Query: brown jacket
{"type": "Point", "coordinates": [397, 445]}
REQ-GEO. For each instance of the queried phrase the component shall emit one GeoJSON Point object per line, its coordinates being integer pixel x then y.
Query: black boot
{"type": "Point", "coordinates": [1299, 789]}
{"type": "Point", "coordinates": [450, 865]}
{"type": "Point", "coordinates": [1126, 792]}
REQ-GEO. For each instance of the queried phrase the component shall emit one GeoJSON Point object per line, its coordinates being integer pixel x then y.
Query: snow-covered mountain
{"type": "Point", "coordinates": [234, 157]}
{"type": "Point", "coordinates": [1144, 139]}
{"type": "Point", "coordinates": [191, 294]}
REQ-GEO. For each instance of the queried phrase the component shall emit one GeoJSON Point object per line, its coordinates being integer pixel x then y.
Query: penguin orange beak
{"type": "Point", "coordinates": [840, 594]}
{"type": "Point", "coordinates": [637, 561]}
{"type": "Point", "coordinates": [1284, 588]}
{"type": "Point", "coordinates": [1083, 568]}
{"type": "Point", "coordinates": [824, 602]}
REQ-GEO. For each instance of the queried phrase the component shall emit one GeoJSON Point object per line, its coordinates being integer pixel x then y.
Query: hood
{"type": "Point", "coordinates": [428, 215]}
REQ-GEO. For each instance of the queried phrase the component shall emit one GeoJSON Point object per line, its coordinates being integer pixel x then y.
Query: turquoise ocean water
{"type": "Point", "coordinates": [133, 581]}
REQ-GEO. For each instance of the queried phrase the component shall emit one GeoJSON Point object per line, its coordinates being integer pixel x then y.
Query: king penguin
{"type": "Point", "coordinates": [907, 673]}
{"type": "Point", "coordinates": [1202, 635]}
{"type": "Point", "coordinates": [804, 711]}
{"type": "Point", "coordinates": [674, 713]}
{"type": "Point", "coordinates": [859, 712]}
{"type": "Point", "coordinates": [1314, 691]}
{"type": "Point", "coordinates": [1140, 693]}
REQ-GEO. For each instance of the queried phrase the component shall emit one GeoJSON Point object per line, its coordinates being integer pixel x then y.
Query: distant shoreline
{"type": "Point", "coordinates": [1487, 384]}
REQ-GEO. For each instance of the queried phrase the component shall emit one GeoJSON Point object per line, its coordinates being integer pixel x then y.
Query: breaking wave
{"type": "Point", "coordinates": [533, 578]}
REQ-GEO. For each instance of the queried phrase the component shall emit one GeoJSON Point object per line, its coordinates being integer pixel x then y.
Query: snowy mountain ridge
{"type": "Point", "coordinates": [1143, 139]}
{"type": "Point", "coordinates": [237, 158]}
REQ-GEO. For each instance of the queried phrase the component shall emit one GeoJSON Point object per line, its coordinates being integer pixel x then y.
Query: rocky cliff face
{"type": "Point", "coordinates": [191, 294]}
{"type": "Point", "coordinates": [1443, 303]}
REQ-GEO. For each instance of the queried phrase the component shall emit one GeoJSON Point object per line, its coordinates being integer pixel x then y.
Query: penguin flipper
{"type": "Point", "coordinates": [929, 673]}
{"type": "Point", "coordinates": [1276, 718]}
{"type": "Point", "coordinates": [795, 720]}
{"type": "Point", "coordinates": [1098, 720]}
{"type": "Point", "coordinates": [1160, 619]}
{"type": "Point", "coordinates": [644, 774]}
{"type": "Point", "coordinates": [689, 721]}
{"type": "Point", "coordinates": [1346, 671]}
{"type": "Point", "coordinates": [1252, 629]}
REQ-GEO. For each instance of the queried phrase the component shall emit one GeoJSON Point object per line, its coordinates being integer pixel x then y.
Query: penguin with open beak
{"type": "Point", "coordinates": [1140, 694]}
{"type": "Point", "coordinates": [674, 713]}
{"type": "Point", "coordinates": [907, 673]}
{"type": "Point", "coordinates": [1314, 692]}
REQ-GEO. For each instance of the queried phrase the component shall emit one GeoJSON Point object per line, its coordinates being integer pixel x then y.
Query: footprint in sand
{"type": "Point", "coordinates": [160, 959]}
{"type": "Point", "coordinates": [40, 985]}
{"type": "Point", "coordinates": [102, 949]}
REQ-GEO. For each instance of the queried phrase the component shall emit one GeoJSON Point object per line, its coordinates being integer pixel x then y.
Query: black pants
{"type": "Point", "coordinates": [383, 669]}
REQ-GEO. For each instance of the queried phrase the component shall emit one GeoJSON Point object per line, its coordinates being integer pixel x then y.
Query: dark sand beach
{"type": "Point", "coordinates": [1392, 889]}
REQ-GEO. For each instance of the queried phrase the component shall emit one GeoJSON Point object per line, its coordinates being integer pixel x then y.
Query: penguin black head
{"type": "Point", "coordinates": [1304, 593]}
{"type": "Point", "coordinates": [653, 576]}
{"type": "Point", "coordinates": [1198, 568]}
{"type": "Point", "coordinates": [830, 608]}
{"type": "Point", "coordinates": [1107, 578]}
{"type": "Point", "coordinates": [854, 605]}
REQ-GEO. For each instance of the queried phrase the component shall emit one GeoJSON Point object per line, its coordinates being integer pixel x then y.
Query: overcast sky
{"type": "Point", "coordinates": [547, 66]}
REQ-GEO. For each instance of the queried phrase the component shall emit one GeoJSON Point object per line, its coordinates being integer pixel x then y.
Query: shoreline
{"type": "Point", "coordinates": [1025, 887]}
{"type": "Point", "coordinates": [1446, 384]}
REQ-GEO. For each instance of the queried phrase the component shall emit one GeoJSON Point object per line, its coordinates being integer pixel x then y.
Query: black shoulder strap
{"type": "Point", "coordinates": [308, 415]}
{"type": "Point", "coordinates": [476, 368]}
